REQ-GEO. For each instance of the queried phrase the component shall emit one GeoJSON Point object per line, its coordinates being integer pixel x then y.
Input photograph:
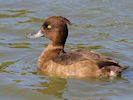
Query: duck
{"type": "Point", "coordinates": [55, 61]}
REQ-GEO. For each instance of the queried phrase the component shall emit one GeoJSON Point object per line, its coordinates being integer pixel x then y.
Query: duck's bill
{"type": "Point", "coordinates": [36, 35]}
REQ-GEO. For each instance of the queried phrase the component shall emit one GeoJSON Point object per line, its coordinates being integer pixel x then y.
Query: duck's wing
{"type": "Point", "coordinates": [102, 61]}
{"type": "Point", "coordinates": [81, 55]}
{"type": "Point", "coordinates": [68, 58]}
{"type": "Point", "coordinates": [93, 55]}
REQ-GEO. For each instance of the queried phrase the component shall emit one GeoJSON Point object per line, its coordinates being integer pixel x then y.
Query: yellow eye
{"type": "Point", "coordinates": [49, 26]}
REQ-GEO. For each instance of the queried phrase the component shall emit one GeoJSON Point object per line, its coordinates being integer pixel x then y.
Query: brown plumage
{"type": "Point", "coordinates": [54, 61]}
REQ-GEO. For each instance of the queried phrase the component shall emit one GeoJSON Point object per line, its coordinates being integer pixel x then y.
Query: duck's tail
{"type": "Point", "coordinates": [124, 68]}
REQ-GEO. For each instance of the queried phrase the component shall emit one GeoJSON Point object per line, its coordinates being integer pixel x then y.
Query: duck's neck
{"type": "Point", "coordinates": [52, 47]}
{"type": "Point", "coordinates": [51, 51]}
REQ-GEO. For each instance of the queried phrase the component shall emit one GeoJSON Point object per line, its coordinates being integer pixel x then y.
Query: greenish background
{"type": "Point", "coordinates": [105, 26]}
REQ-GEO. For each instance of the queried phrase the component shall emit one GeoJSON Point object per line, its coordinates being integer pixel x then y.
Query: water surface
{"type": "Point", "coordinates": [105, 26]}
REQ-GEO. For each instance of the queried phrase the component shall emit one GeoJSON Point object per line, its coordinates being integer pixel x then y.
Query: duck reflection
{"type": "Point", "coordinates": [54, 87]}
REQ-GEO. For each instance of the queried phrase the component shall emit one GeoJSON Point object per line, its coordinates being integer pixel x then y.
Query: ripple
{"type": "Point", "coordinates": [14, 13]}
{"type": "Point", "coordinates": [16, 45]}
{"type": "Point", "coordinates": [5, 64]}
{"type": "Point", "coordinates": [122, 40]}
{"type": "Point", "coordinates": [2, 38]}
{"type": "Point", "coordinates": [101, 36]}
{"type": "Point", "coordinates": [32, 19]}
{"type": "Point", "coordinates": [2, 54]}
{"type": "Point", "coordinates": [23, 10]}
{"type": "Point", "coordinates": [83, 46]}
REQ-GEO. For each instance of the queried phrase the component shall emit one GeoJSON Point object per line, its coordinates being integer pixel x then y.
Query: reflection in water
{"type": "Point", "coordinates": [54, 87]}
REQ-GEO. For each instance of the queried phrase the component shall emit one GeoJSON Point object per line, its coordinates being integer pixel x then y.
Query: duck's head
{"type": "Point", "coordinates": [54, 28]}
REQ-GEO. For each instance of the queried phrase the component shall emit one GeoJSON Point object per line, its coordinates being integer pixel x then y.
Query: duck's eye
{"type": "Point", "coordinates": [49, 26]}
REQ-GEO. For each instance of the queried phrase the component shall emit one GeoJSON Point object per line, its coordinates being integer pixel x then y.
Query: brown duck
{"type": "Point", "coordinates": [54, 61]}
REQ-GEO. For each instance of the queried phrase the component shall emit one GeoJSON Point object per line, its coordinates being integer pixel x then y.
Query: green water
{"type": "Point", "coordinates": [105, 26]}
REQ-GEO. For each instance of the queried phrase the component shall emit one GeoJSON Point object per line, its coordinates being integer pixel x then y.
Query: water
{"type": "Point", "coordinates": [104, 26]}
